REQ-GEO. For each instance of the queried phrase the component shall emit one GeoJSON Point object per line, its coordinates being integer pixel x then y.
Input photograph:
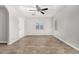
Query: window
{"type": "Point", "coordinates": [39, 26]}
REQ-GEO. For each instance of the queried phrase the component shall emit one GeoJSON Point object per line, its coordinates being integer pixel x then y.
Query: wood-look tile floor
{"type": "Point", "coordinates": [37, 45]}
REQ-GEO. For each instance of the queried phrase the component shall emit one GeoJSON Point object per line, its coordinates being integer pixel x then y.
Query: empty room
{"type": "Point", "coordinates": [39, 29]}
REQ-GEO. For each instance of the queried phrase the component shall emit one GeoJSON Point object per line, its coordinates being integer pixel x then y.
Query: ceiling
{"type": "Point", "coordinates": [52, 10]}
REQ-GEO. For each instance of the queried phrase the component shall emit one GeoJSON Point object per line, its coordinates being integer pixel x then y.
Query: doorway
{"type": "Point", "coordinates": [4, 25]}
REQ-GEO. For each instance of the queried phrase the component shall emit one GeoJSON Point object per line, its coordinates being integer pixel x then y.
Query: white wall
{"type": "Point", "coordinates": [13, 25]}
{"type": "Point", "coordinates": [21, 27]}
{"type": "Point", "coordinates": [30, 26]}
{"type": "Point", "coordinates": [68, 26]}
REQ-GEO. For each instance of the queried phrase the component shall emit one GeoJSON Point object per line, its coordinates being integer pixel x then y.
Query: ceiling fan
{"type": "Point", "coordinates": [39, 9]}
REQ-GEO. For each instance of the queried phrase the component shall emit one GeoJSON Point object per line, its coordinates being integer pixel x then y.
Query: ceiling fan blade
{"type": "Point", "coordinates": [32, 10]}
{"type": "Point", "coordinates": [42, 12]}
{"type": "Point", "coordinates": [44, 9]}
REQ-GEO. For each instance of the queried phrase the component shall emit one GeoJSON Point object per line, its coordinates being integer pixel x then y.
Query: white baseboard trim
{"type": "Point", "coordinates": [9, 43]}
{"type": "Point", "coordinates": [3, 41]}
{"type": "Point", "coordinates": [66, 43]}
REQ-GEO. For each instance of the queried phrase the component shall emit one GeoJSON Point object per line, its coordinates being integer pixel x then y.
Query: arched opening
{"type": "Point", "coordinates": [4, 24]}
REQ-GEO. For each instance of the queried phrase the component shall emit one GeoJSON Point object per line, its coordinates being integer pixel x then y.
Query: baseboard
{"type": "Point", "coordinates": [3, 41]}
{"type": "Point", "coordinates": [9, 43]}
{"type": "Point", "coordinates": [66, 43]}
